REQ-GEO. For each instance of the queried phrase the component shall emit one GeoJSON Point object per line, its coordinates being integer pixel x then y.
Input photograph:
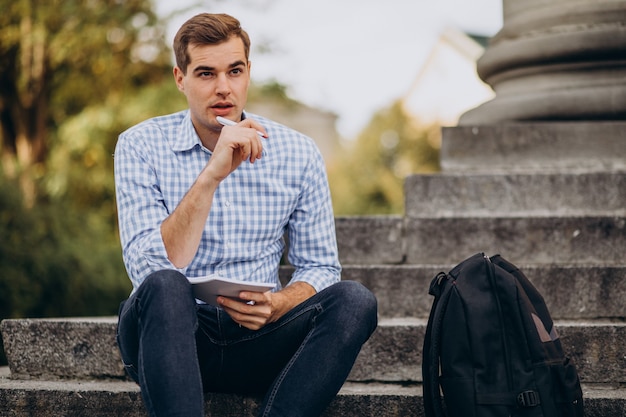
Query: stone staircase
{"type": "Point", "coordinates": [563, 221]}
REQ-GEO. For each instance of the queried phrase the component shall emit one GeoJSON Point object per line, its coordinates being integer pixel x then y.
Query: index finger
{"type": "Point", "coordinates": [253, 124]}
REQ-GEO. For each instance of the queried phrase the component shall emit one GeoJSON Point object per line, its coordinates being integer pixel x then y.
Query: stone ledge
{"type": "Point", "coordinates": [534, 146]}
{"type": "Point", "coordinates": [71, 398]}
{"type": "Point", "coordinates": [546, 239]}
{"type": "Point", "coordinates": [121, 398]}
{"type": "Point", "coordinates": [392, 355]}
{"type": "Point", "coordinates": [370, 239]}
{"type": "Point", "coordinates": [579, 193]}
{"type": "Point", "coordinates": [82, 347]}
{"type": "Point", "coordinates": [402, 290]}
{"type": "Point", "coordinates": [580, 240]}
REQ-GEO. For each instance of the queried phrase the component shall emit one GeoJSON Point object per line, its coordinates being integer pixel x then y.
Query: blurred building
{"type": "Point", "coordinates": [320, 125]}
{"type": "Point", "coordinates": [447, 84]}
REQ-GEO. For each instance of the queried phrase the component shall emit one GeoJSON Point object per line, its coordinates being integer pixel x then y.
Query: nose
{"type": "Point", "coordinates": [222, 86]}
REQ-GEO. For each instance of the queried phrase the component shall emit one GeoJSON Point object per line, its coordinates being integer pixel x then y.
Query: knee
{"type": "Point", "coordinates": [165, 278]}
{"type": "Point", "coordinates": [167, 288]}
{"type": "Point", "coordinates": [357, 305]}
{"type": "Point", "coordinates": [358, 297]}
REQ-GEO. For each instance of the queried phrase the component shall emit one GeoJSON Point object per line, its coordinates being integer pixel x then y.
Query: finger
{"type": "Point", "coordinates": [255, 125]}
{"type": "Point", "coordinates": [245, 150]}
{"type": "Point", "coordinates": [260, 145]}
{"type": "Point", "coordinates": [238, 307]}
{"type": "Point", "coordinates": [249, 321]}
{"type": "Point", "coordinates": [253, 145]}
{"type": "Point", "coordinates": [256, 148]}
{"type": "Point", "coordinates": [253, 298]}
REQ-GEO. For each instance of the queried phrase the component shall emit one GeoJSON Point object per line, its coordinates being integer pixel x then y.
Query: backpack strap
{"type": "Point", "coordinates": [441, 289]}
{"type": "Point", "coordinates": [525, 399]}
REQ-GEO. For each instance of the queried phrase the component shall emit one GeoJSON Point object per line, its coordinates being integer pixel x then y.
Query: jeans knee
{"type": "Point", "coordinates": [166, 280]}
{"type": "Point", "coordinates": [168, 289]}
{"type": "Point", "coordinates": [357, 305]}
{"type": "Point", "coordinates": [358, 296]}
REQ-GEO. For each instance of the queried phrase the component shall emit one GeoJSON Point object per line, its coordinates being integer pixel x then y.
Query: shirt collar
{"type": "Point", "coordinates": [187, 137]}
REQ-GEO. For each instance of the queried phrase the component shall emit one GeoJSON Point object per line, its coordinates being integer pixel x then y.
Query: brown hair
{"type": "Point", "coordinates": [207, 29]}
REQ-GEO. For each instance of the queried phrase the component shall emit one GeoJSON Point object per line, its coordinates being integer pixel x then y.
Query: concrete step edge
{"type": "Point", "coordinates": [392, 354]}
{"type": "Point", "coordinates": [349, 388]}
{"type": "Point", "coordinates": [440, 240]}
{"type": "Point", "coordinates": [402, 290]}
{"type": "Point", "coordinates": [507, 194]}
{"type": "Point", "coordinates": [67, 398]}
{"type": "Point", "coordinates": [534, 145]}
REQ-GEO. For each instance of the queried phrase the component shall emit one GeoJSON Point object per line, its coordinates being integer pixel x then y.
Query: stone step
{"type": "Point", "coordinates": [85, 348]}
{"type": "Point", "coordinates": [75, 398]}
{"type": "Point", "coordinates": [370, 239]}
{"type": "Point", "coordinates": [440, 240]}
{"type": "Point", "coordinates": [394, 351]}
{"type": "Point", "coordinates": [535, 146]}
{"type": "Point", "coordinates": [572, 193]}
{"type": "Point", "coordinates": [577, 240]}
{"type": "Point", "coordinates": [570, 291]}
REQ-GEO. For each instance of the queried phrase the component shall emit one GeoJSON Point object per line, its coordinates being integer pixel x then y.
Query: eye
{"type": "Point", "coordinates": [205, 74]}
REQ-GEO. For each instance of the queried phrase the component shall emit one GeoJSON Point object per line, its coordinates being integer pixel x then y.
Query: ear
{"type": "Point", "coordinates": [178, 77]}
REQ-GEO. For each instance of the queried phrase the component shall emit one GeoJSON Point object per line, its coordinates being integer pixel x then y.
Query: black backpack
{"type": "Point", "coordinates": [491, 348]}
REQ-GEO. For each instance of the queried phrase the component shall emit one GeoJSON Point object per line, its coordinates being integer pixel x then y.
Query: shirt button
{"type": "Point", "coordinates": [227, 203]}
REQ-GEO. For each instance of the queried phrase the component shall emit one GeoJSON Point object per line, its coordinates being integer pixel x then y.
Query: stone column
{"type": "Point", "coordinates": [555, 60]}
{"type": "Point", "coordinates": [558, 68]}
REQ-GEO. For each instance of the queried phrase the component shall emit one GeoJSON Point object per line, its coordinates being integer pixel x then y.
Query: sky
{"type": "Point", "coordinates": [350, 57]}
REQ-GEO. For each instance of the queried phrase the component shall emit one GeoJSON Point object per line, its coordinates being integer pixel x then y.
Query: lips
{"type": "Point", "coordinates": [222, 108]}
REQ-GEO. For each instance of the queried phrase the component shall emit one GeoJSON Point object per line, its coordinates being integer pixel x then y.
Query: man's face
{"type": "Point", "coordinates": [216, 84]}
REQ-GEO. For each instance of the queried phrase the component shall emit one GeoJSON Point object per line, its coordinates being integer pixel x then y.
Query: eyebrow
{"type": "Point", "coordinates": [208, 68]}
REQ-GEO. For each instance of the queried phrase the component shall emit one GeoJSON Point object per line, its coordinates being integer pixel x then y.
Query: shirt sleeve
{"type": "Point", "coordinates": [311, 230]}
{"type": "Point", "coordinates": [141, 209]}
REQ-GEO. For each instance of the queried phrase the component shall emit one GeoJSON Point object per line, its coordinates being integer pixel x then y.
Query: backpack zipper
{"type": "Point", "coordinates": [505, 347]}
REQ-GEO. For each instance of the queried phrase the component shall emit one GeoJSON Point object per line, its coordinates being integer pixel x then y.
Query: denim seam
{"type": "Point", "coordinates": [142, 377]}
{"type": "Point", "coordinates": [220, 370]}
{"type": "Point", "coordinates": [129, 367]}
{"type": "Point", "coordinates": [272, 395]}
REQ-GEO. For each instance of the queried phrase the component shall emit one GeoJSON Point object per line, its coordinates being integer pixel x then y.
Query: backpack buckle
{"type": "Point", "coordinates": [435, 285]}
{"type": "Point", "coordinates": [528, 399]}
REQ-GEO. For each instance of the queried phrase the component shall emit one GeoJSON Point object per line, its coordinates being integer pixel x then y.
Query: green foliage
{"type": "Point", "coordinates": [80, 164]}
{"type": "Point", "coordinates": [272, 90]}
{"type": "Point", "coordinates": [58, 57]}
{"type": "Point", "coordinates": [74, 75]}
{"type": "Point", "coordinates": [370, 175]}
{"type": "Point", "coordinates": [56, 260]}
{"type": "Point", "coordinates": [83, 50]}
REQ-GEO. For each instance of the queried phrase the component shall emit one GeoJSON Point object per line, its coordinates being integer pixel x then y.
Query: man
{"type": "Point", "coordinates": [197, 198]}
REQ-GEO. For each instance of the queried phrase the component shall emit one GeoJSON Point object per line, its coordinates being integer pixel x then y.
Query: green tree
{"type": "Point", "coordinates": [80, 163]}
{"type": "Point", "coordinates": [61, 256]}
{"type": "Point", "coordinates": [55, 261]}
{"type": "Point", "coordinates": [73, 74]}
{"type": "Point", "coordinates": [369, 179]}
{"type": "Point", "coordinates": [58, 57]}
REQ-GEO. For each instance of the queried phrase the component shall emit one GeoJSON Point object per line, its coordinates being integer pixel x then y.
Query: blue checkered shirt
{"type": "Point", "coordinates": [157, 161]}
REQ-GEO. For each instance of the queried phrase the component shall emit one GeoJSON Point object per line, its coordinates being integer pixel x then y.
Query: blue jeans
{"type": "Point", "coordinates": [176, 349]}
